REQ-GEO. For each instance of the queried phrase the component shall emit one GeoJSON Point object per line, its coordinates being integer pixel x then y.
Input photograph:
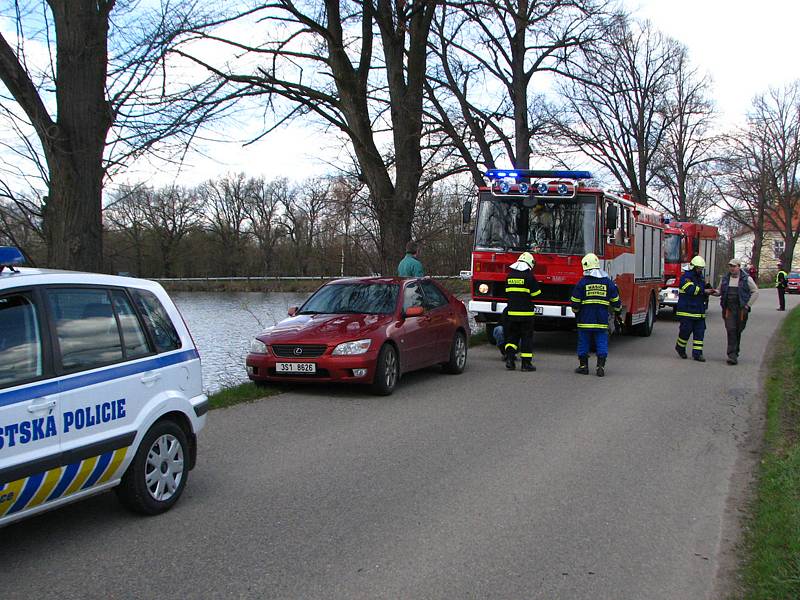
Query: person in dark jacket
{"type": "Point", "coordinates": [691, 310]}
{"type": "Point", "coordinates": [521, 289]}
{"type": "Point", "coordinates": [738, 293]}
{"type": "Point", "coordinates": [592, 298]}
{"type": "Point", "coordinates": [781, 283]}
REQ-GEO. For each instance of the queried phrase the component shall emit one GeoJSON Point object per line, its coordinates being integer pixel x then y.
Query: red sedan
{"type": "Point", "coordinates": [366, 330]}
{"type": "Point", "coordinates": [793, 283]}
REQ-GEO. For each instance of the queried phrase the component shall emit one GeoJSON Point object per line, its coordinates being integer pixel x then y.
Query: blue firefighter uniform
{"type": "Point", "coordinates": [521, 289]}
{"type": "Point", "coordinates": [691, 313]}
{"type": "Point", "coordinates": [592, 298]}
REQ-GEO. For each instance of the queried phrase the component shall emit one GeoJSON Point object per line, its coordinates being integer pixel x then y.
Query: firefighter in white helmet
{"type": "Point", "coordinates": [594, 295]}
{"type": "Point", "coordinates": [691, 310]}
{"type": "Point", "coordinates": [521, 289]}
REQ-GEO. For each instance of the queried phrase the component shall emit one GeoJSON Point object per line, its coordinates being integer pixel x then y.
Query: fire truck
{"type": "Point", "coordinates": [560, 216]}
{"type": "Point", "coordinates": [682, 241]}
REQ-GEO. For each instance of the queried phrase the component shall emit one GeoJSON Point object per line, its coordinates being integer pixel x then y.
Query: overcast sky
{"type": "Point", "coordinates": [745, 47]}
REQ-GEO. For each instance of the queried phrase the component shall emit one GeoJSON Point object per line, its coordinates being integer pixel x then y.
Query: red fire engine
{"type": "Point", "coordinates": [560, 216]}
{"type": "Point", "coordinates": [682, 241]}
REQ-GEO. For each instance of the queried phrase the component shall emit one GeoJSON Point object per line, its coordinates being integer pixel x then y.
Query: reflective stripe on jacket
{"type": "Point", "coordinates": [692, 300]}
{"type": "Point", "coordinates": [591, 300]}
{"type": "Point", "coordinates": [521, 289]}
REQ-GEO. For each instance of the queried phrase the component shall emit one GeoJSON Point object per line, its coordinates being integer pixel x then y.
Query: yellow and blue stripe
{"type": "Point", "coordinates": [60, 482]}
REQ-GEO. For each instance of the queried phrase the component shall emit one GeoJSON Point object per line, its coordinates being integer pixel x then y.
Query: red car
{"type": "Point", "coordinates": [793, 283]}
{"type": "Point", "coordinates": [366, 330]}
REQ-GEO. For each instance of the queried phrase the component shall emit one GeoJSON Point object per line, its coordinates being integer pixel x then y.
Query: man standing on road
{"type": "Point", "coordinates": [410, 266]}
{"type": "Point", "coordinates": [691, 309]}
{"type": "Point", "coordinates": [591, 299]}
{"type": "Point", "coordinates": [521, 289]}
{"type": "Point", "coordinates": [738, 293]}
{"type": "Point", "coordinates": [780, 283]}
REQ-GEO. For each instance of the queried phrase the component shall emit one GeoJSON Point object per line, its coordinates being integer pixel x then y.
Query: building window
{"type": "Point", "coordinates": [778, 246]}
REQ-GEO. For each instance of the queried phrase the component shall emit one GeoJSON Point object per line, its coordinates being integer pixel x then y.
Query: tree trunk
{"type": "Point", "coordinates": [74, 148]}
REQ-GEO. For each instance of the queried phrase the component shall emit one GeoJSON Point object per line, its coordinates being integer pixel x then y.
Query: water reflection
{"type": "Point", "coordinates": [223, 323]}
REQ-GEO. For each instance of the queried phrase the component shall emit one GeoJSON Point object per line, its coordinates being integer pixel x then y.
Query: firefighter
{"type": "Point", "coordinates": [521, 289]}
{"type": "Point", "coordinates": [691, 310]}
{"type": "Point", "coordinates": [780, 283]}
{"type": "Point", "coordinates": [592, 298]}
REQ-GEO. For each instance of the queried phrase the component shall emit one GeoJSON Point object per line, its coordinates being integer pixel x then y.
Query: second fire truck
{"type": "Point", "coordinates": [682, 241]}
{"type": "Point", "coordinates": [560, 216]}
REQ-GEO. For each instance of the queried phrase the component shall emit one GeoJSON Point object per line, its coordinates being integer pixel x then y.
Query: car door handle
{"type": "Point", "coordinates": [42, 405]}
{"type": "Point", "coordinates": [149, 378]}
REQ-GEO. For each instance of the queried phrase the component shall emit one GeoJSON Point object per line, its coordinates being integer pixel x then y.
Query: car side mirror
{"type": "Point", "coordinates": [414, 311]}
{"type": "Point", "coordinates": [292, 311]}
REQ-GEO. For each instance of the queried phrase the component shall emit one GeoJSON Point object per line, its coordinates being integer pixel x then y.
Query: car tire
{"type": "Point", "coordinates": [458, 355]}
{"type": "Point", "coordinates": [387, 371]}
{"type": "Point", "coordinates": [149, 488]}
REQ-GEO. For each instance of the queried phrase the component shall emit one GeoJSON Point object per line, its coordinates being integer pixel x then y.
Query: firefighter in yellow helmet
{"type": "Point", "coordinates": [594, 295]}
{"type": "Point", "coordinates": [691, 310]}
{"type": "Point", "coordinates": [521, 289]}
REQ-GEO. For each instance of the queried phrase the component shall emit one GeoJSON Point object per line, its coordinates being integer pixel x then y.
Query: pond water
{"type": "Point", "coordinates": [223, 323]}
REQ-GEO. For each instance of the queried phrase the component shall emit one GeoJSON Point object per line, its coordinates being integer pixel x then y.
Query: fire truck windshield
{"type": "Point", "coordinates": [557, 226]}
{"type": "Point", "coordinates": [672, 248]}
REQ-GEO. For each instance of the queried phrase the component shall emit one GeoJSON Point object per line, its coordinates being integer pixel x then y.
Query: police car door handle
{"type": "Point", "coordinates": [42, 405]}
{"type": "Point", "coordinates": [150, 377]}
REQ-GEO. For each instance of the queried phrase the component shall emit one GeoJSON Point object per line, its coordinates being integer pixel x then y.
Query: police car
{"type": "Point", "coordinates": [100, 387]}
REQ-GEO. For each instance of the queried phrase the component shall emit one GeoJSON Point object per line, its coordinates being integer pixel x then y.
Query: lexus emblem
{"type": "Point", "coordinates": [298, 351]}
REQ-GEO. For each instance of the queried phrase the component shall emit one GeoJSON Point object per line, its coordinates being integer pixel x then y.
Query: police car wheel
{"type": "Point", "coordinates": [458, 354]}
{"type": "Point", "coordinates": [155, 479]}
{"type": "Point", "coordinates": [387, 371]}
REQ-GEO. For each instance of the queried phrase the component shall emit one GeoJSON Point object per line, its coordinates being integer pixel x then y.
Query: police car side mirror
{"type": "Point", "coordinates": [292, 311]}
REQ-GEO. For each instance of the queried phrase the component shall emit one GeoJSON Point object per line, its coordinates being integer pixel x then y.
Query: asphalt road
{"type": "Point", "coordinates": [485, 485]}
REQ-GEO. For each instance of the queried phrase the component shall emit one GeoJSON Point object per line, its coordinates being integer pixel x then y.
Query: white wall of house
{"type": "Point", "coordinates": [771, 250]}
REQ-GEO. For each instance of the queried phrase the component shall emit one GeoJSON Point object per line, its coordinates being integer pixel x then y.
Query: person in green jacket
{"type": "Point", "coordinates": [410, 266]}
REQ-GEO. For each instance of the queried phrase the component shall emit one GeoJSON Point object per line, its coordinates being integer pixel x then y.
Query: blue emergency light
{"type": "Point", "coordinates": [10, 255]}
{"type": "Point", "coordinates": [536, 174]}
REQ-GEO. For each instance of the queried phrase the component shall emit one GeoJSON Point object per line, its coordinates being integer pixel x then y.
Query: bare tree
{"type": "Point", "coordinates": [493, 45]}
{"type": "Point", "coordinates": [262, 209]}
{"type": "Point", "coordinates": [127, 213]}
{"type": "Point", "coordinates": [225, 203]}
{"type": "Point", "coordinates": [682, 163]}
{"type": "Point", "coordinates": [302, 217]}
{"type": "Point", "coordinates": [358, 68]}
{"type": "Point", "coordinates": [107, 69]}
{"type": "Point", "coordinates": [171, 214]}
{"type": "Point", "coordinates": [616, 111]}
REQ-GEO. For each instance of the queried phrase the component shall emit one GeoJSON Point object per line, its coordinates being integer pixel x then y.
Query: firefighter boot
{"type": "Point", "coordinates": [583, 367]}
{"type": "Point", "coordinates": [527, 365]}
{"type": "Point", "coordinates": [681, 351]}
{"type": "Point", "coordinates": [601, 366]}
{"type": "Point", "coordinates": [511, 363]}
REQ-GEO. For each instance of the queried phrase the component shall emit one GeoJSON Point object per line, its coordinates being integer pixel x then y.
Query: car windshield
{"type": "Point", "coordinates": [350, 298]}
{"type": "Point", "coordinates": [557, 226]}
{"type": "Point", "coordinates": [672, 248]}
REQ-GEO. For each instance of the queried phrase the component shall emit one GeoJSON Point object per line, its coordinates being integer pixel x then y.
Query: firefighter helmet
{"type": "Point", "coordinates": [527, 258]}
{"type": "Point", "coordinates": [590, 261]}
{"type": "Point", "coordinates": [698, 261]}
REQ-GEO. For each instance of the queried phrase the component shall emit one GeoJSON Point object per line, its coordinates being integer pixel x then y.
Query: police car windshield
{"type": "Point", "coordinates": [672, 248]}
{"type": "Point", "coordinates": [557, 226]}
{"type": "Point", "coordinates": [353, 298]}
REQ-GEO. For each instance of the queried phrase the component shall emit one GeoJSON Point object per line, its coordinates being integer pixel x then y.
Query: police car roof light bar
{"type": "Point", "coordinates": [9, 256]}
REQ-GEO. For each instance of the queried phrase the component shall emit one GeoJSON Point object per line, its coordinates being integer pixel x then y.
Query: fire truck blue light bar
{"type": "Point", "coordinates": [520, 173]}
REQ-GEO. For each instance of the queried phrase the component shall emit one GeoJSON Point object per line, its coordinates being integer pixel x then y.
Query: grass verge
{"type": "Point", "coordinates": [772, 540]}
{"type": "Point", "coordinates": [244, 392]}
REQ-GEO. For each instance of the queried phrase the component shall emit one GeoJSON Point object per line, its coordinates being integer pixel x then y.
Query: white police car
{"type": "Point", "coordinates": [100, 386]}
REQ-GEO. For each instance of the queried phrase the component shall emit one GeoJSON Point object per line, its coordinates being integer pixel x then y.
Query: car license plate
{"type": "Point", "coordinates": [538, 310]}
{"type": "Point", "coordinates": [295, 367]}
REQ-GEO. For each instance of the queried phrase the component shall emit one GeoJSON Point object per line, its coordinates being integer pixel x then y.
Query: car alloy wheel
{"type": "Point", "coordinates": [165, 467]}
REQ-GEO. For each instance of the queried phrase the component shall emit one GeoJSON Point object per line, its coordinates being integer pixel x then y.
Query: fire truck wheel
{"type": "Point", "coordinates": [646, 328]}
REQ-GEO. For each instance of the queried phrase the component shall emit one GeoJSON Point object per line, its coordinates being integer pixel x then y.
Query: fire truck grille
{"type": "Point", "coordinates": [550, 291]}
{"type": "Point", "coordinates": [298, 350]}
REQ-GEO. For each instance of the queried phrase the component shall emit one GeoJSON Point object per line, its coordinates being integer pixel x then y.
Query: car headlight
{"type": "Point", "coordinates": [350, 348]}
{"type": "Point", "coordinates": [258, 347]}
